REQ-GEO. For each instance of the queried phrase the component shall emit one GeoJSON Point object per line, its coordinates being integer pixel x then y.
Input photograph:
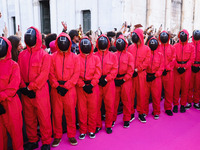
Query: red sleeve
{"type": "Point", "coordinates": [44, 74]}
{"type": "Point", "coordinates": [52, 78]}
{"type": "Point", "coordinates": [113, 73]}
{"type": "Point", "coordinates": [192, 57]}
{"type": "Point", "coordinates": [130, 69]}
{"type": "Point", "coordinates": [13, 84]}
{"type": "Point", "coordinates": [73, 80]}
{"type": "Point", "coordinates": [97, 73]}
{"type": "Point", "coordinates": [171, 64]}
{"type": "Point", "coordinates": [145, 63]}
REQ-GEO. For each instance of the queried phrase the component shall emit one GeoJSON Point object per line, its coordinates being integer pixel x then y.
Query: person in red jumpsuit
{"type": "Point", "coordinates": [64, 74]}
{"type": "Point", "coordinates": [34, 65]}
{"type": "Point", "coordinates": [153, 78]}
{"type": "Point", "coordinates": [194, 87]}
{"type": "Point", "coordinates": [169, 54]}
{"type": "Point", "coordinates": [10, 105]}
{"type": "Point", "coordinates": [109, 68]}
{"type": "Point", "coordinates": [141, 54]}
{"type": "Point", "coordinates": [182, 74]}
{"type": "Point", "coordinates": [87, 88]}
{"type": "Point", "coordinates": [123, 82]}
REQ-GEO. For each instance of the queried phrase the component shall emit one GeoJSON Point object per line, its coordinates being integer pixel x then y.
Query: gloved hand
{"type": "Point", "coordinates": [135, 74]}
{"type": "Point", "coordinates": [164, 72]}
{"type": "Point", "coordinates": [119, 82]}
{"type": "Point", "coordinates": [181, 70]}
{"type": "Point", "coordinates": [103, 81]}
{"type": "Point", "coordinates": [195, 69]}
{"type": "Point", "coordinates": [29, 93]}
{"type": "Point", "coordinates": [88, 88]}
{"type": "Point", "coordinates": [61, 90]}
{"type": "Point", "coordinates": [2, 110]}
{"type": "Point", "coordinates": [150, 78]}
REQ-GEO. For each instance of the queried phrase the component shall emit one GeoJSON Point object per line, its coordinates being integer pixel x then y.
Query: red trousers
{"type": "Point", "coordinates": [68, 104]}
{"type": "Point", "coordinates": [107, 93]}
{"type": "Point", "coordinates": [168, 85]}
{"type": "Point", "coordinates": [181, 83]}
{"type": "Point", "coordinates": [38, 109]}
{"type": "Point", "coordinates": [155, 88]}
{"type": "Point", "coordinates": [138, 87]}
{"type": "Point", "coordinates": [11, 122]}
{"type": "Point", "coordinates": [194, 88]}
{"type": "Point", "coordinates": [87, 109]}
{"type": "Point", "coordinates": [123, 92]}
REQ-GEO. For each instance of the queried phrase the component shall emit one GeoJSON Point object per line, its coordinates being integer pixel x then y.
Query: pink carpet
{"type": "Point", "coordinates": [179, 132]}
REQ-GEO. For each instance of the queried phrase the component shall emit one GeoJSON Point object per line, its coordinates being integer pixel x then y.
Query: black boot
{"type": "Point", "coordinates": [45, 147]}
{"type": "Point", "coordinates": [182, 109]}
{"type": "Point", "coordinates": [30, 146]}
{"type": "Point", "coordinates": [175, 109]}
{"type": "Point", "coordinates": [169, 112]}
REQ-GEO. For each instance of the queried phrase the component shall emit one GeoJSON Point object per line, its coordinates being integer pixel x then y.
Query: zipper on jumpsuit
{"type": "Point", "coordinates": [63, 65]}
{"type": "Point", "coordinates": [102, 63]}
{"type": "Point", "coordinates": [136, 56]}
{"type": "Point", "coordinates": [119, 62]}
{"type": "Point", "coordinates": [85, 66]}
{"type": "Point", "coordinates": [29, 65]}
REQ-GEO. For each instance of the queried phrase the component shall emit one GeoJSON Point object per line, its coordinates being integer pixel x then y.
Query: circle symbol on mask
{"type": "Point", "coordinates": [30, 37]}
{"type": "Point", "coordinates": [102, 43]}
{"type": "Point", "coordinates": [183, 36]}
{"type": "Point", "coordinates": [85, 46]}
{"type": "Point", "coordinates": [120, 44]}
{"type": "Point", "coordinates": [196, 35]}
{"type": "Point", "coordinates": [3, 48]}
{"type": "Point", "coordinates": [164, 37]}
{"type": "Point", "coordinates": [135, 37]}
{"type": "Point", "coordinates": [63, 43]}
{"type": "Point", "coordinates": [153, 44]}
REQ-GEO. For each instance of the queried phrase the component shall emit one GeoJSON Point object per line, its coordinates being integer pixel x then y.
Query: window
{"type": "Point", "coordinates": [86, 20]}
{"type": "Point", "coordinates": [45, 16]}
{"type": "Point", "coordinates": [14, 25]}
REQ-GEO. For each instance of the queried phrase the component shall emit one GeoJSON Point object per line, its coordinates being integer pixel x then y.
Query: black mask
{"type": "Point", "coordinates": [85, 46]}
{"type": "Point", "coordinates": [153, 44]}
{"type": "Point", "coordinates": [135, 37]}
{"type": "Point", "coordinates": [120, 44]}
{"type": "Point", "coordinates": [103, 43]}
{"type": "Point", "coordinates": [63, 43]}
{"type": "Point", "coordinates": [164, 37]}
{"type": "Point", "coordinates": [3, 48]}
{"type": "Point", "coordinates": [183, 36]}
{"type": "Point", "coordinates": [196, 35]}
{"type": "Point", "coordinates": [30, 37]}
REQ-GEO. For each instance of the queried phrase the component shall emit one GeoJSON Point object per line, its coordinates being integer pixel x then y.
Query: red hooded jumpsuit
{"type": "Point", "coordinates": [169, 54]}
{"type": "Point", "coordinates": [34, 65]}
{"type": "Point", "coordinates": [90, 70]}
{"type": "Point", "coordinates": [65, 67]}
{"type": "Point", "coordinates": [109, 68]}
{"type": "Point", "coordinates": [154, 87]}
{"type": "Point", "coordinates": [11, 121]}
{"type": "Point", "coordinates": [125, 70]}
{"type": "Point", "coordinates": [141, 54]}
{"type": "Point", "coordinates": [184, 58]}
{"type": "Point", "coordinates": [194, 87]}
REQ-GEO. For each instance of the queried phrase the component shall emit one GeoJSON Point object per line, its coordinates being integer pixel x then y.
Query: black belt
{"type": "Point", "coordinates": [197, 62]}
{"type": "Point", "coordinates": [26, 83]}
{"type": "Point", "coordinates": [182, 62]}
{"type": "Point", "coordinates": [87, 82]}
{"type": "Point", "coordinates": [62, 82]}
{"type": "Point", "coordinates": [150, 74]}
{"type": "Point", "coordinates": [120, 75]}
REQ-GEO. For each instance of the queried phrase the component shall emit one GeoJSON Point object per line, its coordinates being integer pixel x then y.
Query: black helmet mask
{"type": "Point", "coordinates": [63, 43]}
{"type": "Point", "coordinates": [120, 44]}
{"type": "Point", "coordinates": [30, 37]}
{"type": "Point", "coordinates": [3, 48]}
{"type": "Point", "coordinates": [85, 46]}
{"type": "Point", "coordinates": [135, 37]}
{"type": "Point", "coordinates": [102, 43]}
{"type": "Point", "coordinates": [153, 44]}
{"type": "Point", "coordinates": [183, 36]}
{"type": "Point", "coordinates": [196, 35]}
{"type": "Point", "coordinates": [164, 37]}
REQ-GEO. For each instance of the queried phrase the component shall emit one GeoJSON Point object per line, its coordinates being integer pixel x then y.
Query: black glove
{"type": "Point", "coordinates": [2, 110]}
{"type": "Point", "coordinates": [164, 72]}
{"type": "Point", "coordinates": [119, 82]}
{"type": "Point", "coordinates": [150, 78]}
{"type": "Point", "coordinates": [195, 69]}
{"type": "Point", "coordinates": [29, 93]}
{"type": "Point", "coordinates": [135, 74]}
{"type": "Point", "coordinates": [102, 81]}
{"type": "Point", "coordinates": [88, 88]}
{"type": "Point", "coordinates": [61, 90]}
{"type": "Point", "coordinates": [181, 70]}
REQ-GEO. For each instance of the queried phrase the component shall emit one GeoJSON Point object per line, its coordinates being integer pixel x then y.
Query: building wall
{"type": "Point", "coordinates": [172, 14]}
